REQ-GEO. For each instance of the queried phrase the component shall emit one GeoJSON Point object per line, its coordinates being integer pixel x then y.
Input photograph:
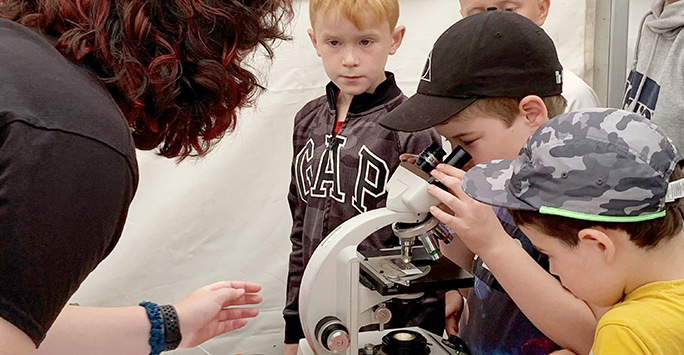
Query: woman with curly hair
{"type": "Point", "coordinates": [82, 84]}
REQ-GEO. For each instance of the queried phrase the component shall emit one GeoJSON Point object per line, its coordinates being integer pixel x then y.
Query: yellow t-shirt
{"type": "Point", "coordinates": [649, 321]}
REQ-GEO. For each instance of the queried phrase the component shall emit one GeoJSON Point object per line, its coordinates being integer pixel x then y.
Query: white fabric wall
{"type": "Point", "coordinates": [637, 11]}
{"type": "Point", "coordinates": [226, 216]}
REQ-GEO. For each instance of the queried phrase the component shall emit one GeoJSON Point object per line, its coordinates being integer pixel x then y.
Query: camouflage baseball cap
{"type": "Point", "coordinates": [599, 164]}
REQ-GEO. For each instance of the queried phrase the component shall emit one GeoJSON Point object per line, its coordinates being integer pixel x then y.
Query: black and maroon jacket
{"type": "Point", "coordinates": [336, 177]}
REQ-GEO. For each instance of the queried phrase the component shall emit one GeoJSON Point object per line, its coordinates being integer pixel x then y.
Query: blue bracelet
{"type": "Point", "coordinates": [157, 337]}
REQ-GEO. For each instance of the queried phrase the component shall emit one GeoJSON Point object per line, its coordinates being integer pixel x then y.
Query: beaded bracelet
{"type": "Point", "coordinates": [157, 338]}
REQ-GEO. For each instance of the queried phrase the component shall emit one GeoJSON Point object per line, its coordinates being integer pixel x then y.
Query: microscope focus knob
{"type": "Point", "coordinates": [383, 315]}
{"type": "Point", "coordinates": [338, 341]}
{"type": "Point", "coordinates": [332, 334]}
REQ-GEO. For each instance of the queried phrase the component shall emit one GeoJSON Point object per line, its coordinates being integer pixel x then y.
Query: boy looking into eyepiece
{"type": "Point", "coordinates": [490, 81]}
{"type": "Point", "coordinates": [342, 156]}
{"type": "Point", "coordinates": [590, 189]}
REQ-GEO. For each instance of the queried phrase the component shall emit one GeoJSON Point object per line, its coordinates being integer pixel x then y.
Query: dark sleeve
{"type": "Point", "coordinates": [414, 143]}
{"type": "Point", "coordinates": [293, 326]}
{"type": "Point", "coordinates": [63, 203]}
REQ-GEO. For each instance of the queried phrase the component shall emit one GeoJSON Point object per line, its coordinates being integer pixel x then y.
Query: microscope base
{"type": "Point", "coordinates": [375, 338]}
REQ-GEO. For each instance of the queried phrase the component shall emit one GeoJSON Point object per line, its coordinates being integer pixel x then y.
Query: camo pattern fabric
{"type": "Point", "coordinates": [596, 161]}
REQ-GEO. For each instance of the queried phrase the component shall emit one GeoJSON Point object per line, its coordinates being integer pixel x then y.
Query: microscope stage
{"type": "Point", "coordinates": [383, 272]}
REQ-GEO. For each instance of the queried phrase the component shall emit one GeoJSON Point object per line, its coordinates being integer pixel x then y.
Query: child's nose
{"type": "Point", "coordinates": [350, 58]}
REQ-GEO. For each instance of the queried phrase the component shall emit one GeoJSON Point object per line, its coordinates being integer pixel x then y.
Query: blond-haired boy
{"type": "Point", "coordinates": [342, 156]}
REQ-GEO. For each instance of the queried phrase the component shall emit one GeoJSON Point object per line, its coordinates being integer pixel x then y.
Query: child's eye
{"type": "Point", "coordinates": [334, 43]}
{"type": "Point", "coordinates": [365, 42]}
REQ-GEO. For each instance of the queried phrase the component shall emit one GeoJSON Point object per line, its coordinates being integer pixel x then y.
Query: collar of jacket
{"type": "Point", "coordinates": [386, 91]}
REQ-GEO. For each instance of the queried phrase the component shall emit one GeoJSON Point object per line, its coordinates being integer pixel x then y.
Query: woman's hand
{"type": "Point", "coordinates": [209, 311]}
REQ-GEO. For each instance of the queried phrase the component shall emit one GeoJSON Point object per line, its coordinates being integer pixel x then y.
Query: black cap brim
{"type": "Point", "coordinates": [421, 112]}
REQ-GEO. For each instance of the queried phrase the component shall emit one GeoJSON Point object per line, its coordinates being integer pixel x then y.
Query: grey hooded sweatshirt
{"type": "Point", "coordinates": [656, 79]}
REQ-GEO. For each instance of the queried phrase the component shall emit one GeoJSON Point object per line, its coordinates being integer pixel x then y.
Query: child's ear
{"type": "Point", "coordinates": [397, 38]}
{"type": "Point", "coordinates": [600, 242]}
{"type": "Point", "coordinates": [543, 11]}
{"type": "Point", "coordinates": [535, 111]}
{"type": "Point", "coordinates": [312, 36]}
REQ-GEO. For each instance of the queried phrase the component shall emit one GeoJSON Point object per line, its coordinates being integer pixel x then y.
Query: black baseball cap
{"type": "Point", "coordinates": [490, 54]}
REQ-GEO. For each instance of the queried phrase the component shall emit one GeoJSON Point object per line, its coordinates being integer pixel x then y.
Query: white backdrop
{"type": "Point", "coordinates": [226, 216]}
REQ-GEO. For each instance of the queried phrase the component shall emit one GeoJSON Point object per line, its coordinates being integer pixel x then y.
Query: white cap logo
{"type": "Point", "coordinates": [427, 71]}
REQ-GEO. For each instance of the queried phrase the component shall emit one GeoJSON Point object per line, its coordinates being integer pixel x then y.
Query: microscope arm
{"type": "Point", "coordinates": [332, 305]}
{"type": "Point", "coordinates": [330, 284]}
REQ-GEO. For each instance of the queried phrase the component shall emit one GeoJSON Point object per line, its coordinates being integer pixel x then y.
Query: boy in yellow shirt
{"type": "Point", "coordinates": [598, 191]}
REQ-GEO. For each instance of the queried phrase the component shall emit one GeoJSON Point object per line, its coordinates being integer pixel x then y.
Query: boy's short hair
{"type": "Point", "coordinates": [506, 108]}
{"type": "Point", "coordinates": [594, 167]}
{"type": "Point", "coordinates": [493, 54]}
{"type": "Point", "coordinates": [360, 12]}
{"type": "Point", "coordinates": [645, 234]}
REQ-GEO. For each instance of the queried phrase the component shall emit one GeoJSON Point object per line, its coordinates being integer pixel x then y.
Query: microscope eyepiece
{"type": "Point", "coordinates": [430, 157]}
{"type": "Point", "coordinates": [457, 158]}
{"type": "Point", "coordinates": [434, 154]}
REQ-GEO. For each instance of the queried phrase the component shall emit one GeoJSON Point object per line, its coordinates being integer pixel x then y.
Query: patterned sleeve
{"type": "Point", "coordinates": [293, 327]}
{"type": "Point", "coordinates": [415, 142]}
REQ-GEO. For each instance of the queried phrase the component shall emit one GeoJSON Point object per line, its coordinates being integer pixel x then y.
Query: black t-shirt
{"type": "Point", "coordinates": [67, 176]}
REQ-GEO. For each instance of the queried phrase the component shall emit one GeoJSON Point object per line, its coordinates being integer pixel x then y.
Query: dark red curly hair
{"type": "Point", "coordinates": [174, 66]}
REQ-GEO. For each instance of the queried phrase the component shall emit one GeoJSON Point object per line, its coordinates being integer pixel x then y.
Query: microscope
{"type": "Point", "coordinates": [343, 290]}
